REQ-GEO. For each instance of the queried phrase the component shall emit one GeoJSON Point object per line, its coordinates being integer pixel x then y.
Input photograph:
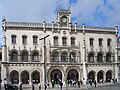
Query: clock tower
{"type": "Point", "coordinates": [63, 17]}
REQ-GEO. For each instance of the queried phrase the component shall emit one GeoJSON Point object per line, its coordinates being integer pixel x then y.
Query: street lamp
{"type": "Point", "coordinates": [45, 80]}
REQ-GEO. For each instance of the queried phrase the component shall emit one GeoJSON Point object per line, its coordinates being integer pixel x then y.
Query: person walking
{"type": "Point", "coordinates": [61, 84]}
{"type": "Point", "coordinates": [78, 84]}
{"type": "Point", "coordinates": [20, 86]}
{"type": "Point", "coordinates": [95, 83]}
{"type": "Point", "coordinates": [87, 83]}
{"type": "Point", "coordinates": [33, 88]}
{"type": "Point", "coordinates": [52, 83]}
{"type": "Point", "coordinates": [39, 85]}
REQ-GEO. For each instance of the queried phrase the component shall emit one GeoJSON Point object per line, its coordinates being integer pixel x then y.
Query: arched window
{"type": "Point", "coordinates": [99, 57]}
{"type": "Point", "coordinates": [25, 77]}
{"type": "Point", "coordinates": [72, 57]}
{"type": "Point", "coordinates": [35, 56]}
{"type": "Point", "coordinates": [35, 39]}
{"type": "Point", "coordinates": [91, 58]}
{"type": "Point", "coordinates": [14, 77]}
{"type": "Point", "coordinates": [108, 76]}
{"type": "Point", "coordinates": [36, 77]}
{"type": "Point", "coordinates": [24, 39]}
{"type": "Point", "coordinates": [100, 41]}
{"type": "Point", "coordinates": [64, 57]}
{"type": "Point", "coordinates": [64, 40]}
{"type": "Point", "coordinates": [13, 39]}
{"type": "Point", "coordinates": [55, 57]}
{"type": "Point", "coordinates": [55, 40]}
{"type": "Point", "coordinates": [24, 56]}
{"type": "Point", "coordinates": [108, 57]}
{"type": "Point", "coordinates": [109, 42]}
{"type": "Point", "coordinates": [72, 41]}
{"type": "Point", "coordinates": [14, 56]}
{"type": "Point", "coordinates": [91, 41]}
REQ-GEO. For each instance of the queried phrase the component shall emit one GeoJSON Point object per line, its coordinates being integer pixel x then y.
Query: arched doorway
{"type": "Point", "coordinates": [56, 75]}
{"type": "Point", "coordinates": [35, 77]}
{"type": "Point", "coordinates": [108, 76]}
{"type": "Point", "coordinates": [91, 75]}
{"type": "Point", "coordinates": [100, 76]}
{"type": "Point", "coordinates": [14, 77]}
{"type": "Point", "coordinates": [25, 77]}
{"type": "Point", "coordinates": [72, 75]}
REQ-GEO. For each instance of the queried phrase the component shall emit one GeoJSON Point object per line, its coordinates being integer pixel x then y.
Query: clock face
{"type": "Point", "coordinates": [64, 20]}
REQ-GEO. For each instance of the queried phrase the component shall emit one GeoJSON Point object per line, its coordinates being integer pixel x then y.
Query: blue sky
{"type": "Point", "coordinates": [91, 12]}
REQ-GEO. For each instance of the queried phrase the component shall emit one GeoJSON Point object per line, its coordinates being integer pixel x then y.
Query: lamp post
{"type": "Point", "coordinates": [45, 80]}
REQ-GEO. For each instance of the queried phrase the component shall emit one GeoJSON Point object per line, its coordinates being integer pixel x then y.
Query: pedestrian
{"type": "Point", "coordinates": [60, 82]}
{"type": "Point", "coordinates": [33, 88]}
{"type": "Point", "coordinates": [95, 83]}
{"type": "Point", "coordinates": [39, 86]}
{"type": "Point", "coordinates": [91, 83]}
{"type": "Point", "coordinates": [87, 83]}
{"type": "Point", "coordinates": [52, 83]}
{"type": "Point", "coordinates": [79, 84]}
{"type": "Point", "coordinates": [20, 86]}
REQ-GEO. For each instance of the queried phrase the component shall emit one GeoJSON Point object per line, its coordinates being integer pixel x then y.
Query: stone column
{"type": "Point", "coordinates": [19, 58]}
{"type": "Point", "coordinates": [29, 58]}
{"type": "Point", "coordinates": [19, 79]}
{"type": "Point", "coordinates": [59, 57]}
{"type": "Point", "coordinates": [104, 75]}
{"type": "Point", "coordinates": [84, 62]}
{"type": "Point", "coordinates": [96, 77]}
{"type": "Point", "coordinates": [95, 58]}
{"type": "Point", "coordinates": [116, 67]}
{"type": "Point", "coordinates": [104, 58]}
{"type": "Point", "coordinates": [30, 79]}
{"type": "Point", "coordinates": [4, 60]}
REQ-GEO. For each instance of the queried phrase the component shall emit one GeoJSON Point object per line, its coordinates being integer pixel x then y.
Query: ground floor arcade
{"type": "Point", "coordinates": [28, 75]}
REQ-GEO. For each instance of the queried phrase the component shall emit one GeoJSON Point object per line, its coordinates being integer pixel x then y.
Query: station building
{"type": "Point", "coordinates": [69, 52]}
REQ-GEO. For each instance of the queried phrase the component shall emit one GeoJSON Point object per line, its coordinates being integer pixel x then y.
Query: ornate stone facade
{"type": "Point", "coordinates": [73, 52]}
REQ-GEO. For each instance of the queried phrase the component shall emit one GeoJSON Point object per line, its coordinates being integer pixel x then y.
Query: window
{"type": "Point", "coordinates": [55, 57]}
{"type": "Point", "coordinates": [99, 57]}
{"type": "Point", "coordinates": [108, 42]}
{"type": "Point", "coordinates": [108, 57]}
{"type": "Point", "coordinates": [100, 41]}
{"type": "Point", "coordinates": [35, 57]}
{"type": "Point", "coordinates": [55, 40]}
{"type": "Point", "coordinates": [72, 41]}
{"type": "Point", "coordinates": [24, 39]}
{"type": "Point", "coordinates": [24, 56]}
{"type": "Point", "coordinates": [91, 58]}
{"type": "Point", "coordinates": [35, 39]}
{"type": "Point", "coordinates": [91, 41]}
{"type": "Point", "coordinates": [72, 57]}
{"type": "Point", "coordinates": [64, 56]}
{"type": "Point", "coordinates": [64, 40]}
{"type": "Point", "coordinates": [13, 37]}
{"type": "Point", "coordinates": [14, 56]}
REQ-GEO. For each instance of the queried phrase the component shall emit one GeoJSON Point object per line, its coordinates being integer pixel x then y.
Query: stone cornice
{"type": "Point", "coordinates": [49, 25]}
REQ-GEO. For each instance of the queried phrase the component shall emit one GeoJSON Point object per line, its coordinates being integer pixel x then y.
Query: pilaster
{"type": "Point", "coordinates": [84, 63]}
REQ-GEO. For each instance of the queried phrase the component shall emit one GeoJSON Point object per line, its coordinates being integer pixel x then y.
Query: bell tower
{"type": "Point", "coordinates": [63, 17]}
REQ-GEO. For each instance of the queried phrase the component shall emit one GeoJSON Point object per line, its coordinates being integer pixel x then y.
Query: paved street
{"type": "Point", "coordinates": [106, 86]}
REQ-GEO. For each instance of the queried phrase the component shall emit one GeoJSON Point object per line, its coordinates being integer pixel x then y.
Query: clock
{"type": "Point", "coordinates": [64, 20]}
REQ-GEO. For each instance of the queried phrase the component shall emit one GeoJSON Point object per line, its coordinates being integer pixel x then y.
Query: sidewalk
{"type": "Point", "coordinates": [27, 87]}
